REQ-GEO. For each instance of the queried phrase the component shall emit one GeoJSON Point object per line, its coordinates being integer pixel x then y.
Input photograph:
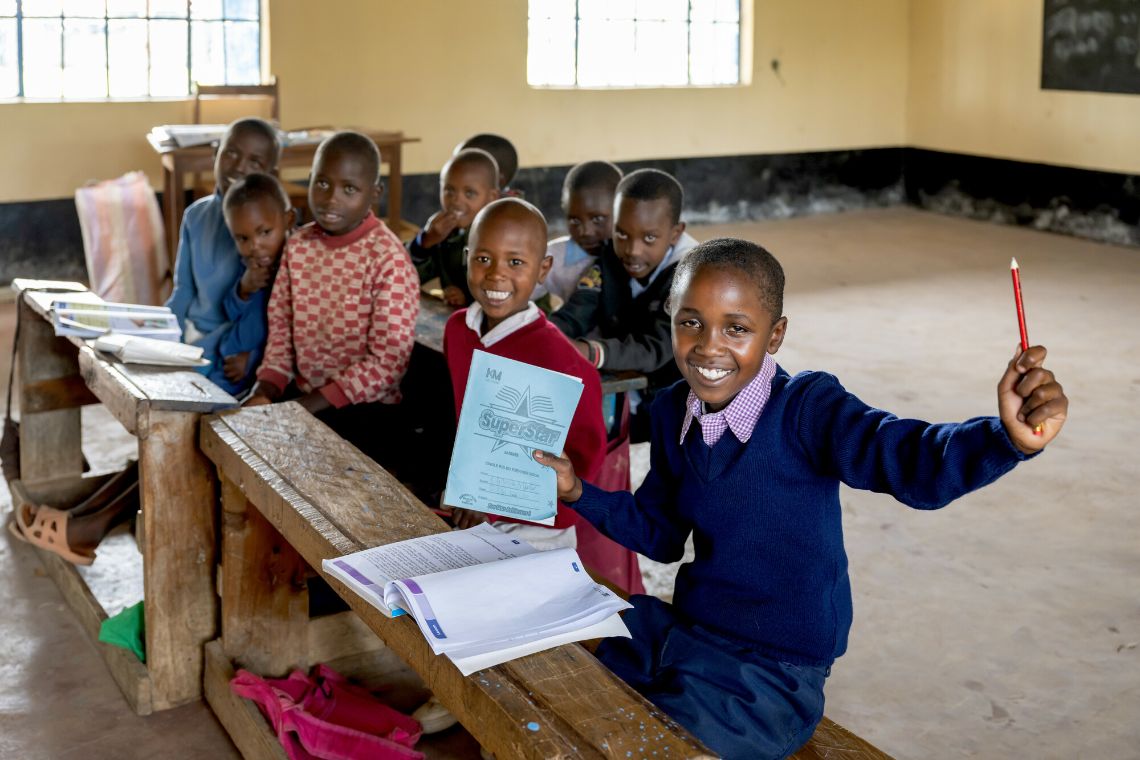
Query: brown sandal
{"type": "Point", "coordinates": [49, 531]}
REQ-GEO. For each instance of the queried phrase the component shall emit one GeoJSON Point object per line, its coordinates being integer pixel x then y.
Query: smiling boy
{"type": "Point", "coordinates": [467, 183]}
{"type": "Point", "coordinates": [507, 257]}
{"type": "Point", "coordinates": [617, 315]}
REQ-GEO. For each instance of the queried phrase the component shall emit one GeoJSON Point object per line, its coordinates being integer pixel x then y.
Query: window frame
{"type": "Point", "coordinates": [743, 59]}
{"type": "Point", "coordinates": [20, 16]}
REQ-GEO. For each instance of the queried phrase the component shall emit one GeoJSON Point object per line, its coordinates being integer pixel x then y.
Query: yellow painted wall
{"type": "Point", "coordinates": [975, 73]}
{"type": "Point", "coordinates": [443, 69]}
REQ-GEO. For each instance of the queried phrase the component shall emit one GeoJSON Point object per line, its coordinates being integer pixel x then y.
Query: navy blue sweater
{"type": "Point", "coordinates": [770, 570]}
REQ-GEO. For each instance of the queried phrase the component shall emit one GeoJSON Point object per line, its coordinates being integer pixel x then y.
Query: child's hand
{"type": "Point", "coordinates": [438, 227]}
{"type": "Point", "coordinates": [583, 348]}
{"type": "Point", "coordinates": [453, 296]}
{"type": "Point", "coordinates": [569, 484]}
{"type": "Point", "coordinates": [466, 518]}
{"type": "Point", "coordinates": [257, 399]}
{"type": "Point", "coordinates": [254, 279]}
{"type": "Point", "coordinates": [1028, 396]}
{"type": "Point", "coordinates": [235, 366]}
{"type": "Point", "coordinates": [314, 401]}
{"type": "Point", "coordinates": [263, 393]}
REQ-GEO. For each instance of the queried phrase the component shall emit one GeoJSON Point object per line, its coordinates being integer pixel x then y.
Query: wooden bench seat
{"type": "Point", "coordinates": [295, 494]}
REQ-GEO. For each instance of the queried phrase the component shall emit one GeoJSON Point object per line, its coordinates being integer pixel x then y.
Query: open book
{"type": "Point", "coordinates": [509, 409]}
{"type": "Point", "coordinates": [482, 597]}
{"type": "Point", "coordinates": [90, 320]}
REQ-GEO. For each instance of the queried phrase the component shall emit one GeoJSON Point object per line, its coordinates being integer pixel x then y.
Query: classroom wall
{"type": "Point", "coordinates": [975, 74]}
{"type": "Point", "coordinates": [440, 70]}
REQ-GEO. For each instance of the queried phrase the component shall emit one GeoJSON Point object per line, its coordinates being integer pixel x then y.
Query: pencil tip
{"type": "Point", "coordinates": [1013, 263]}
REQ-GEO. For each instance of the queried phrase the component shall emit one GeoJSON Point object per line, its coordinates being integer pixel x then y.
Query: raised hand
{"type": "Point", "coordinates": [1030, 396]}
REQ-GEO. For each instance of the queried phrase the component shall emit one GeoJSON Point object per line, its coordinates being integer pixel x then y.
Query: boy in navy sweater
{"type": "Point", "coordinates": [748, 459]}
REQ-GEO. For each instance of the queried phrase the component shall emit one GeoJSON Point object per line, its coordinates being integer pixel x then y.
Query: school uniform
{"type": "Point", "coordinates": [206, 274]}
{"type": "Point", "coordinates": [764, 608]}
{"type": "Point", "coordinates": [568, 262]}
{"type": "Point", "coordinates": [446, 260]}
{"type": "Point", "coordinates": [529, 337]}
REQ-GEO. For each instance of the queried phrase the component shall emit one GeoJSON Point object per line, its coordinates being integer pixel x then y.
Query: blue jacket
{"type": "Point", "coordinates": [770, 570]}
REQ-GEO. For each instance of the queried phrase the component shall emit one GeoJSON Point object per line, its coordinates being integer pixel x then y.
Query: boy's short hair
{"type": "Point", "coordinates": [515, 207]}
{"type": "Point", "coordinates": [500, 148]}
{"type": "Point", "coordinates": [752, 260]}
{"type": "Point", "coordinates": [652, 184]}
{"type": "Point", "coordinates": [589, 175]}
{"type": "Point", "coordinates": [353, 144]}
{"type": "Point", "coordinates": [258, 126]}
{"type": "Point", "coordinates": [252, 188]}
{"type": "Point", "coordinates": [475, 157]}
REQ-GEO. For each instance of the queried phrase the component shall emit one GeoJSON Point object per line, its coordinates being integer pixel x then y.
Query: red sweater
{"type": "Point", "coordinates": [342, 315]}
{"type": "Point", "coordinates": [542, 344]}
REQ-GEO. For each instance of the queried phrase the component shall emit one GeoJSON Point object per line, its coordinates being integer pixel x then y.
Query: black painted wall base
{"type": "Point", "coordinates": [42, 238]}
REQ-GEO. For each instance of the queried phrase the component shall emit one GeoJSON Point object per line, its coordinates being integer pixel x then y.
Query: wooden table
{"type": "Point", "coordinates": [432, 318]}
{"type": "Point", "coordinates": [178, 162]}
{"type": "Point", "coordinates": [177, 487]}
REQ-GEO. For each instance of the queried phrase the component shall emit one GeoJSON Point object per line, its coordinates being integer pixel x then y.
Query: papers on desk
{"type": "Point", "coordinates": [482, 597]}
{"type": "Point", "coordinates": [510, 409]}
{"type": "Point", "coordinates": [132, 349]}
{"type": "Point", "coordinates": [170, 136]}
{"type": "Point", "coordinates": [90, 320]}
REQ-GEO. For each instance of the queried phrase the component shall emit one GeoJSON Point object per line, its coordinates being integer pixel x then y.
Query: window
{"type": "Point", "coordinates": [83, 49]}
{"type": "Point", "coordinates": [633, 43]}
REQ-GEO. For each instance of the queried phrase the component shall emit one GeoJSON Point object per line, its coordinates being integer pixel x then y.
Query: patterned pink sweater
{"type": "Point", "coordinates": [342, 316]}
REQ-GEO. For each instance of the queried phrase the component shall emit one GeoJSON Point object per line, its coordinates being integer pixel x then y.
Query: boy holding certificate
{"type": "Point", "coordinates": [506, 258]}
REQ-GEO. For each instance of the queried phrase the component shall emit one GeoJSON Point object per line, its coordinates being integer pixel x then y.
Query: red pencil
{"type": "Point", "coordinates": [1015, 272]}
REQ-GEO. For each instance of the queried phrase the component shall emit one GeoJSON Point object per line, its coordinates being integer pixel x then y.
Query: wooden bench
{"type": "Point", "coordinates": [294, 494]}
{"type": "Point", "coordinates": [178, 492]}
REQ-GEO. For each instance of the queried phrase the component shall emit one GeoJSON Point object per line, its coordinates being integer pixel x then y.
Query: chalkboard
{"type": "Point", "coordinates": [1091, 45]}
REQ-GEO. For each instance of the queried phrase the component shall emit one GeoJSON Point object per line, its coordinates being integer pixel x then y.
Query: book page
{"type": "Point", "coordinates": [368, 571]}
{"type": "Point", "coordinates": [489, 607]}
{"type": "Point", "coordinates": [611, 626]}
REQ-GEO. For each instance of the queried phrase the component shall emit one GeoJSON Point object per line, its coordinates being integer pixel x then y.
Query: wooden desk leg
{"type": "Point", "coordinates": [265, 603]}
{"type": "Point", "coordinates": [179, 503]}
{"type": "Point", "coordinates": [395, 189]}
{"type": "Point", "coordinates": [177, 206]}
{"type": "Point", "coordinates": [172, 224]}
{"type": "Point", "coordinates": [50, 442]}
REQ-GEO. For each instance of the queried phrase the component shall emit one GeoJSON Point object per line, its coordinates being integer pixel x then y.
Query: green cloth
{"type": "Point", "coordinates": [127, 630]}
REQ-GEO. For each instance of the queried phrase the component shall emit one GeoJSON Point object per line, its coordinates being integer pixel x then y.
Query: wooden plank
{"type": "Point", "coordinates": [130, 674]}
{"type": "Point", "coordinates": [344, 634]}
{"type": "Point", "coordinates": [581, 708]}
{"type": "Point", "coordinates": [832, 741]}
{"type": "Point", "coordinates": [163, 388]}
{"type": "Point", "coordinates": [623, 382]}
{"type": "Point", "coordinates": [57, 393]}
{"type": "Point", "coordinates": [123, 399]}
{"type": "Point", "coordinates": [265, 605]}
{"type": "Point", "coordinates": [50, 445]}
{"type": "Point", "coordinates": [179, 501]}
{"type": "Point", "coordinates": [250, 733]}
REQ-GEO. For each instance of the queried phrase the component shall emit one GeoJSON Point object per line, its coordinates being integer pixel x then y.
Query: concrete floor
{"type": "Point", "coordinates": [1006, 625]}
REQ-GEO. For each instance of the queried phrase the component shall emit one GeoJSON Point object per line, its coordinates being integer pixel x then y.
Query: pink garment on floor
{"type": "Point", "coordinates": [324, 717]}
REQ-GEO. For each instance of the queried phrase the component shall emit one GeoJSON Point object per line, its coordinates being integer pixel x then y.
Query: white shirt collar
{"type": "Point", "coordinates": [511, 324]}
{"type": "Point", "coordinates": [636, 288]}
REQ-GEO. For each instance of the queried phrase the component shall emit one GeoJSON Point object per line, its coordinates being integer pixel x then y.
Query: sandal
{"type": "Point", "coordinates": [49, 531]}
{"type": "Point", "coordinates": [15, 529]}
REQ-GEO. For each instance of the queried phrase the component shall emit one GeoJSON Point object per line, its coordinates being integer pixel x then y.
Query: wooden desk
{"type": "Point", "coordinates": [177, 488]}
{"type": "Point", "coordinates": [178, 162]}
{"type": "Point", "coordinates": [433, 318]}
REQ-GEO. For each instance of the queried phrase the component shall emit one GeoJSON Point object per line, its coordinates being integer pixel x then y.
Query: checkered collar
{"type": "Point", "coordinates": [740, 415]}
{"type": "Point", "coordinates": [513, 323]}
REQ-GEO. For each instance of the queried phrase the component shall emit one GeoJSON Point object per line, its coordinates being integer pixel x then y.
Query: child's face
{"type": "Point", "coordinates": [643, 233]}
{"type": "Point", "coordinates": [260, 228]}
{"type": "Point", "coordinates": [589, 218]}
{"type": "Point", "coordinates": [721, 331]}
{"type": "Point", "coordinates": [342, 191]}
{"type": "Point", "coordinates": [464, 190]}
{"type": "Point", "coordinates": [506, 258]}
{"type": "Point", "coordinates": [242, 152]}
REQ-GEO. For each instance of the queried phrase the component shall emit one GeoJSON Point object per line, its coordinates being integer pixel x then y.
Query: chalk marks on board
{"type": "Point", "coordinates": [1091, 45]}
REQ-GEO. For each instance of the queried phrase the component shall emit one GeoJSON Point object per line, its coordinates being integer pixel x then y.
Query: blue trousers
{"type": "Point", "coordinates": [739, 703]}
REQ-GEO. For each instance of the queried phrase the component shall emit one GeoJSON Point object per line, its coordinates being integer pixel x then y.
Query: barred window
{"type": "Point", "coordinates": [633, 43]}
{"type": "Point", "coordinates": [86, 49]}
